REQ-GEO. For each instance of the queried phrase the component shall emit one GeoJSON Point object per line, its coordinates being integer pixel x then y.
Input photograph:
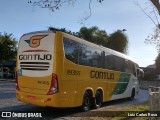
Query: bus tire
{"type": "Point", "coordinates": [98, 99]}
{"type": "Point", "coordinates": [132, 94]}
{"type": "Point", "coordinates": [87, 99]}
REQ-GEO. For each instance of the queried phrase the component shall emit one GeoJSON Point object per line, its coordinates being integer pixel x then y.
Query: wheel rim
{"type": "Point", "coordinates": [98, 100]}
{"type": "Point", "coordinates": [86, 103]}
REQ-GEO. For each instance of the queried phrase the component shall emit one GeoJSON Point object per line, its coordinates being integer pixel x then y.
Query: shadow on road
{"type": "Point", "coordinates": [47, 112]}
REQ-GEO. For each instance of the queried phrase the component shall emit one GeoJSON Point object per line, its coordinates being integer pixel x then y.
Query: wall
{"type": "Point", "coordinates": [146, 84]}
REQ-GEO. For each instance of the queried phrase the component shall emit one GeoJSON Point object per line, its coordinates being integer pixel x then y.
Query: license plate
{"type": "Point", "coordinates": [31, 97]}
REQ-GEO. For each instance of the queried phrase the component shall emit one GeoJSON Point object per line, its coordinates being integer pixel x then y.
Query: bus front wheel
{"type": "Point", "coordinates": [132, 94]}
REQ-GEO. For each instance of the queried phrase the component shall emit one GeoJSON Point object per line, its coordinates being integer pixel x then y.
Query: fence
{"type": "Point", "coordinates": [154, 101]}
{"type": "Point", "coordinates": [154, 96]}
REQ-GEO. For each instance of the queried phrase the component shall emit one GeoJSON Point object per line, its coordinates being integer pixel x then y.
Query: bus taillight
{"type": "Point", "coordinates": [54, 85]}
{"type": "Point", "coordinates": [17, 87]}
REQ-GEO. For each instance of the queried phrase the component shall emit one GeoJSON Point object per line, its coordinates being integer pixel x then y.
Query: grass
{"type": "Point", "coordinates": [121, 113]}
{"type": "Point", "coordinates": [137, 109]}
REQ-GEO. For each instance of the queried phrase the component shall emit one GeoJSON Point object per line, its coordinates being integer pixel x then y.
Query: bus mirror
{"type": "Point", "coordinates": [140, 73]}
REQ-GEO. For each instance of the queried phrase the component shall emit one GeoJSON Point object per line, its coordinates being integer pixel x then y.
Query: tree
{"type": "Point", "coordinates": [157, 62]}
{"type": "Point", "coordinates": [94, 35]}
{"type": "Point", "coordinates": [65, 30]}
{"type": "Point", "coordinates": [118, 41]}
{"type": "Point", "coordinates": [155, 37]}
{"type": "Point", "coordinates": [8, 48]}
{"type": "Point", "coordinates": [156, 4]}
{"type": "Point", "coordinates": [54, 5]}
{"type": "Point", "coordinates": [154, 9]}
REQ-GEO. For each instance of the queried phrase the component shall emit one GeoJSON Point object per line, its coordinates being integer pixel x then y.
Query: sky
{"type": "Point", "coordinates": [19, 17]}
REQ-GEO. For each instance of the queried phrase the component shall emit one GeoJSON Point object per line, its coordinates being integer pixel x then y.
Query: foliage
{"type": "Point", "coordinates": [153, 13]}
{"type": "Point", "coordinates": [150, 75]}
{"type": "Point", "coordinates": [94, 35]}
{"type": "Point", "coordinates": [117, 41]}
{"type": "Point", "coordinates": [65, 30]}
{"type": "Point", "coordinates": [156, 4]}
{"type": "Point", "coordinates": [157, 61]}
{"type": "Point", "coordinates": [8, 47]}
{"type": "Point", "coordinates": [154, 39]}
{"type": "Point", "coordinates": [54, 5]}
{"type": "Point", "coordinates": [51, 4]}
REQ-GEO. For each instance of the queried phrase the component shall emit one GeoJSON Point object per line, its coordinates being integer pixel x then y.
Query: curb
{"type": "Point", "coordinates": [9, 80]}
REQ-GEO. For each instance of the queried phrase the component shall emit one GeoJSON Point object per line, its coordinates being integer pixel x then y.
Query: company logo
{"type": "Point", "coordinates": [34, 41]}
{"type": "Point", "coordinates": [35, 57]}
{"type": "Point", "coordinates": [101, 75]}
{"type": "Point", "coordinates": [6, 114]}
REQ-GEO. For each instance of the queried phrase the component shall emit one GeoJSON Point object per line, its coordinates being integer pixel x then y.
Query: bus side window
{"type": "Point", "coordinates": [96, 58]}
{"type": "Point", "coordinates": [119, 64]}
{"type": "Point", "coordinates": [130, 67]}
{"type": "Point", "coordinates": [89, 56]}
{"type": "Point", "coordinates": [109, 62]}
{"type": "Point", "coordinates": [102, 61]}
{"type": "Point", "coordinates": [113, 62]}
{"type": "Point", "coordinates": [84, 54]}
{"type": "Point", "coordinates": [71, 50]}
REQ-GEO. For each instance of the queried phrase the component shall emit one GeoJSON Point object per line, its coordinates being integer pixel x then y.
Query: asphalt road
{"type": "Point", "coordinates": [8, 103]}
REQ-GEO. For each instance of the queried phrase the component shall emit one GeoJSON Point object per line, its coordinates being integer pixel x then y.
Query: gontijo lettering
{"type": "Point", "coordinates": [35, 57]}
{"type": "Point", "coordinates": [101, 75]}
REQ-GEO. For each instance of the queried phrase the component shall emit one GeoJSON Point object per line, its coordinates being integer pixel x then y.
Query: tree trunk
{"type": "Point", "coordinates": [156, 5]}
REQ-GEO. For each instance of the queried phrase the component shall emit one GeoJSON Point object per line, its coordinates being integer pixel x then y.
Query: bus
{"type": "Point", "coordinates": [60, 70]}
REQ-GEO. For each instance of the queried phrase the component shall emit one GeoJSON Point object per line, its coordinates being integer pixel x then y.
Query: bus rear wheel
{"type": "Point", "coordinates": [98, 99]}
{"type": "Point", "coordinates": [86, 105]}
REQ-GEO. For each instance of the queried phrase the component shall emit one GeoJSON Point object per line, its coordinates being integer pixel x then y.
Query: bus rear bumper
{"type": "Point", "coordinates": [39, 100]}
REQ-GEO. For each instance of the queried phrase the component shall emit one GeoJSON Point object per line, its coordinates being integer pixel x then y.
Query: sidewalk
{"type": "Point", "coordinates": [11, 80]}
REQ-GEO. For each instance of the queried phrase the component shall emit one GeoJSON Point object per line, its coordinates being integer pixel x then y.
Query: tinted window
{"type": "Point", "coordinates": [83, 54]}
{"type": "Point", "coordinates": [113, 62]}
{"type": "Point", "coordinates": [129, 66]}
{"type": "Point", "coordinates": [71, 50]}
{"type": "Point", "coordinates": [89, 56]}
{"type": "Point", "coordinates": [119, 64]}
